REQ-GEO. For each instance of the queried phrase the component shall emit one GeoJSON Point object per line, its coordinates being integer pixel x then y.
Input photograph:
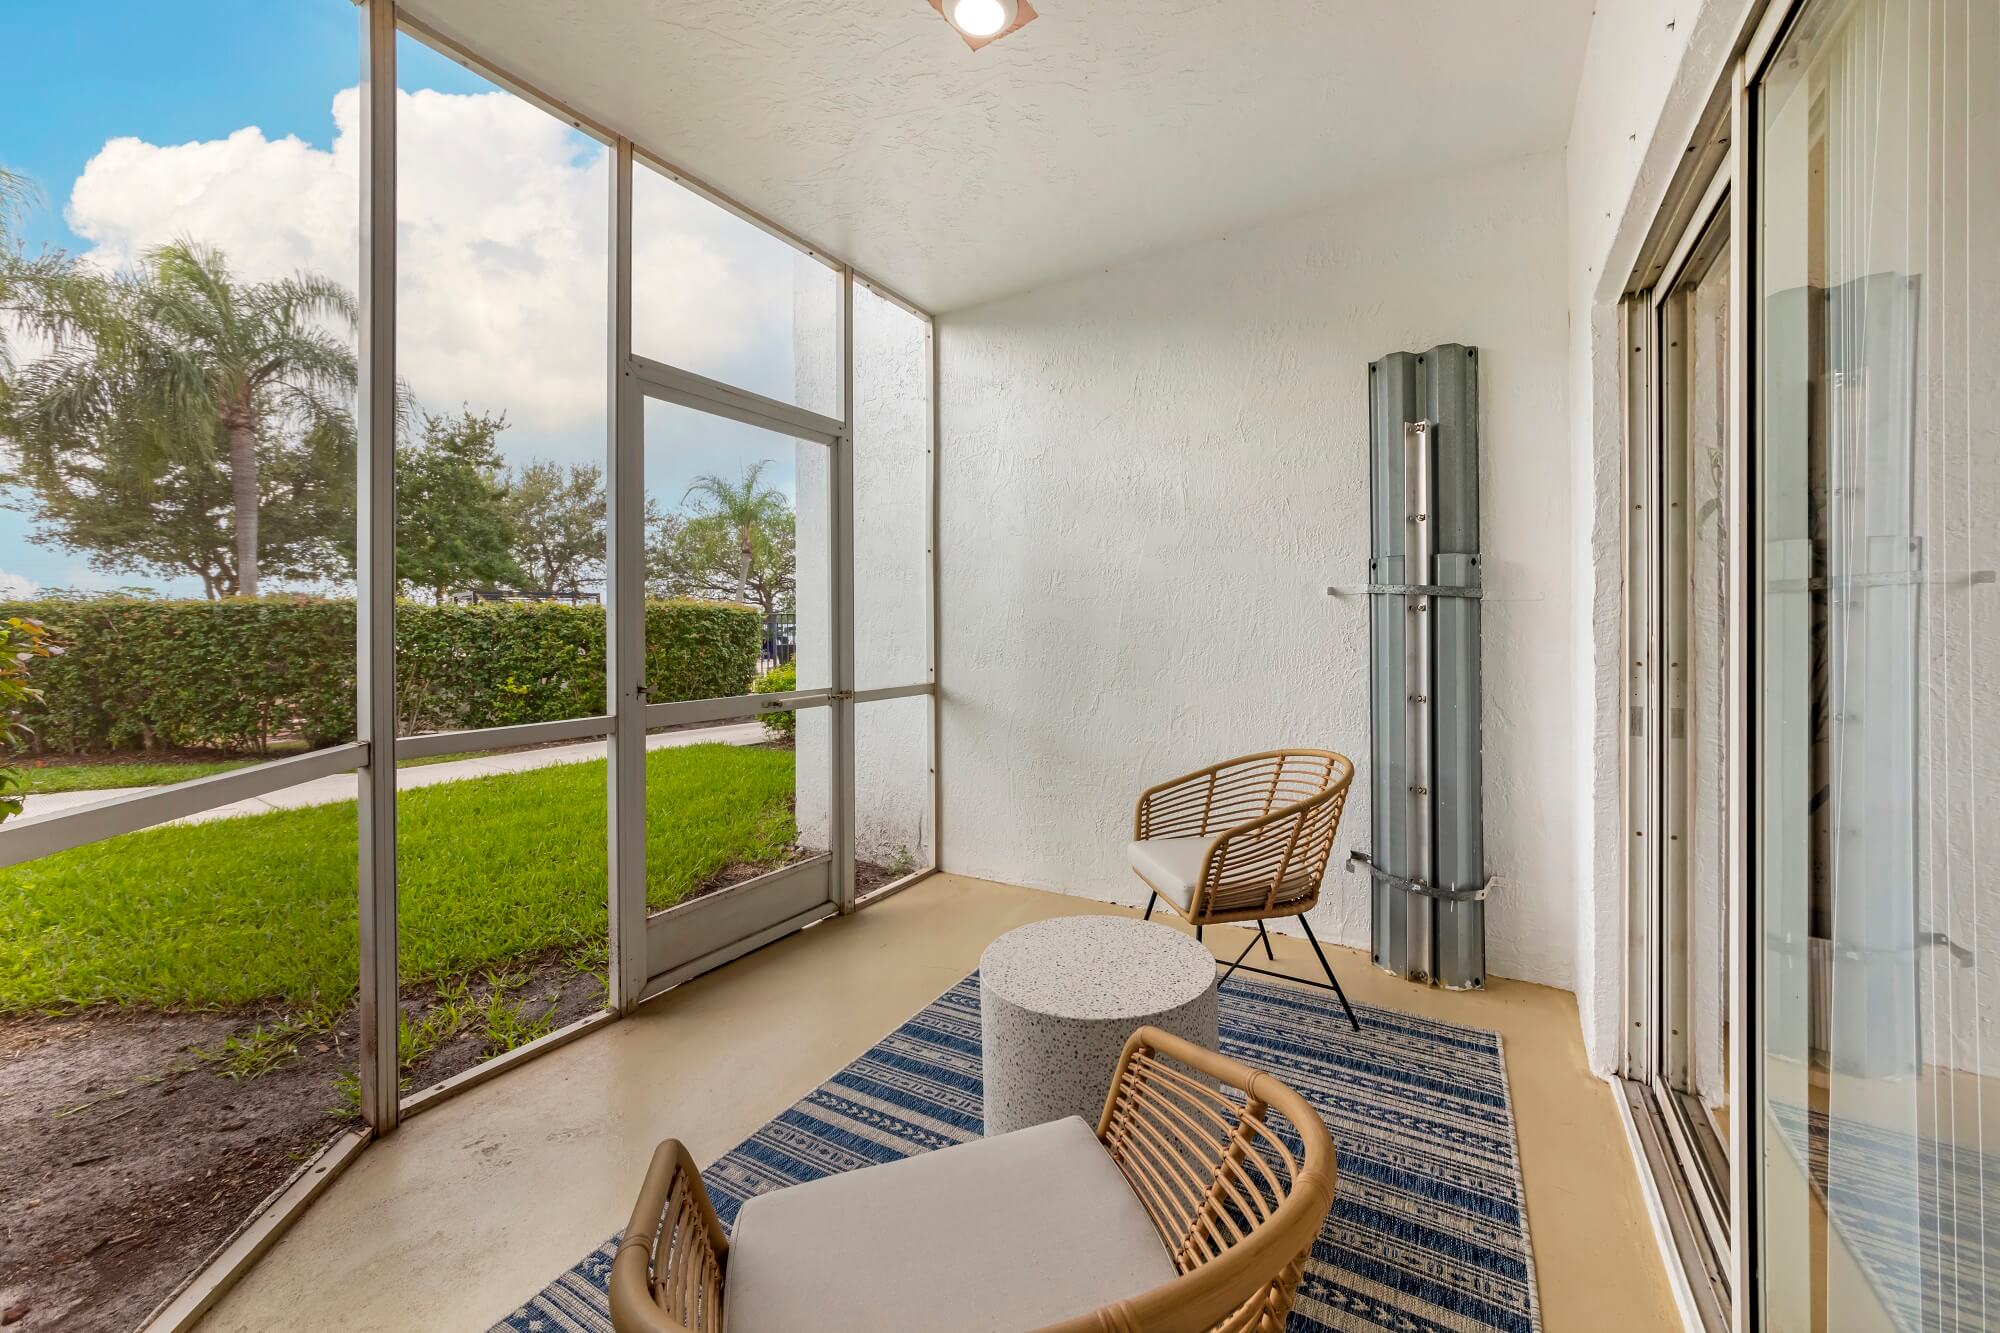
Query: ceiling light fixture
{"type": "Point", "coordinates": [983, 21]}
{"type": "Point", "coordinates": [981, 18]}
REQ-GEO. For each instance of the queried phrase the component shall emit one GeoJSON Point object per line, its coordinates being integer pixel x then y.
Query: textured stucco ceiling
{"type": "Point", "coordinates": [1105, 129]}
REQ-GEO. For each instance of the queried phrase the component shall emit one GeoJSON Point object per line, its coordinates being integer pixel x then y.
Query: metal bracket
{"type": "Point", "coordinates": [1401, 590]}
{"type": "Point", "coordinates": [1949, 578]}
{"type": "Point", "coordinates": [1437, 891]}
{"type": "Point", "coordinates": [1924, 939]}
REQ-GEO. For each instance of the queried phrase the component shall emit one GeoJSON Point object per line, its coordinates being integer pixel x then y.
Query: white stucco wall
{"type": "Point", "coordinates": [1647, 74]}
{"type": "Point", "coordinates": [1150, 476]}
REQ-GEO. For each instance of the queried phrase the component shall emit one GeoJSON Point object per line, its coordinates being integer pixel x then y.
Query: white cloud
{"type": "Point", "coordinates": [501, 242]}
{"type": "Point", "coordinates": [16, 587]}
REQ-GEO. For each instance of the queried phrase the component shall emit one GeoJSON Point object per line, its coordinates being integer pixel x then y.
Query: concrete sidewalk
{"type": "Point", "coordinates": [340, 787]}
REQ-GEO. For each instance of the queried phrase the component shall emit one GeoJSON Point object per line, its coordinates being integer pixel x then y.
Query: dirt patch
{"type": "Point", "coordinates": [541, 994]}
{"type": "Point", "coordinates": [128, 1155]}
{"type": "Point", "coordinates": [868, 875]}
{"type": "Point", "coordinates": [127, 1158]}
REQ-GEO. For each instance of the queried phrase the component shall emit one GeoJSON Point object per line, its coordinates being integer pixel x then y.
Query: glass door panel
{"type": "Point", "coordinates": [1692, 955]}
{"type": "Point", "coordinates": [738, 583]}
{"type": "Point", "coordinates": [1877, 460]}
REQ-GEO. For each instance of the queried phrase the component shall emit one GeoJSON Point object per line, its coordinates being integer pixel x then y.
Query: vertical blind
{"type": "Point", "coordinates": [1877, 468]}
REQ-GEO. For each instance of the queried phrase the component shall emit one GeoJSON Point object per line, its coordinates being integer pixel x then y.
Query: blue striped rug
{"type": "Point", "coordinates": [1912, 1210]}
{"type": "Point", "coordinates": [1428, 1232]}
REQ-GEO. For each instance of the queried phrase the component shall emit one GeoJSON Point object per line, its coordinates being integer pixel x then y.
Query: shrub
{"type": "Point", "coordinates": [234, 674]}
{"type": "Point", "coordinates": [22, 642]}
{"type": "Point", "coordinates": [780, 725]}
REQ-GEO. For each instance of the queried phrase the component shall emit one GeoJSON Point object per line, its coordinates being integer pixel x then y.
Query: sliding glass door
{"type": "Point", "coordinates": [1877, 671]}
{"type": "Point", "coordinates": [1690, 1073]}
{"type": "Point", "coordinates": [1682, 611]}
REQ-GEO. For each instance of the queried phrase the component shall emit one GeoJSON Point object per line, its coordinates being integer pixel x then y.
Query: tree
{"type": "Point", "coordinates": [451, 507]}
{"type": "Point", "coordinates": [182, 420]}
{"type": "Point", "coordinates": [742, 509]}
{"type": "Point", "coordinates": [702, 556]}
{"type": "Point", "coordinates": [17, 195]}
{"type": "Point", "coordinates": [557, 515]}
{"type": "Point", "coordinates": [22, 641]}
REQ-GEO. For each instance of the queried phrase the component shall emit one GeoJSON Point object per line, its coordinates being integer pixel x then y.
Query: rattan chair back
{"type": "Point", "coordinates": [1235, 1202]}
{"type": "Point", "coordinates": [1273, 817]}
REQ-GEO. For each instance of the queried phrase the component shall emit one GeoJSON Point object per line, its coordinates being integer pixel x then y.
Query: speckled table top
{"type": "Point", "coordinates": [1096, 967]}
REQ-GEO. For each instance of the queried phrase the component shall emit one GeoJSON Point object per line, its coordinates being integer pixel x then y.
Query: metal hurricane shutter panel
{"type": "Point", "coordinates": [1424, 713]}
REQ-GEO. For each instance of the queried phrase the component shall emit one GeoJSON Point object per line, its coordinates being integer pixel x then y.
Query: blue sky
{"type": "Point", "coordinates": [501, 229]}
{"type": "Point", "coordinates": [84, 71]}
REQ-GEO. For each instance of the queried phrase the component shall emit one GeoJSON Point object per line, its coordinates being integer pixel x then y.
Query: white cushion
{"type": "Point", "coordinates": [1171, 865]}
{"type": "Point", "coordinates": [994, 1235]}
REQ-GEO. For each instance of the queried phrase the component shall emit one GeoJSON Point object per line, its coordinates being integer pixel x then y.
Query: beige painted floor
{"type": "Point", "coordinates": [471, 1207]}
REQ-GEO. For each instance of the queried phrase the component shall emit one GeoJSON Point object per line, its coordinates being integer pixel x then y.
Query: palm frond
{"type": "Point", "coordinates": [18, 196]}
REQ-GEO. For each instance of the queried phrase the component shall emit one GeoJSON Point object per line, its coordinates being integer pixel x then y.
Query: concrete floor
{"type": "Point", "coordinates": [473, 1206]}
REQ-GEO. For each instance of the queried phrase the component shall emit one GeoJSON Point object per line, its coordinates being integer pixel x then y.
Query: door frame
{"type": "Point", "coordinates": [1701, 1215]}
{"type": "Point", "coordinates": [1718, 169]}
{"type": "Point", "coordinates": [653, 951]}
{"type": "Point", "coordinates": [1705, 207]}
{"type": "Point", "coordinates": [1705, 242]}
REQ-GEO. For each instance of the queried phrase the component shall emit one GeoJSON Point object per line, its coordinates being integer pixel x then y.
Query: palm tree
{"type": "Point", "coordinates": [174, 363]}
{"type": "Point", "coordinates": [747, 508]}
{"type": "Point", "coordinates": [17, 196]}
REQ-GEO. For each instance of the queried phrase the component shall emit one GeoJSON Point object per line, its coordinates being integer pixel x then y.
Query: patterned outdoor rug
{"type": "Point", "coordinates": [1913, 1210]}
{"type": "Point", "coordinates": [1428, 1232]}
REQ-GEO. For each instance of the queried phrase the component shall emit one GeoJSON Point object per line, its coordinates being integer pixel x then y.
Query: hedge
{"type": "Point", "coordinates": [236, 674]}
{"type": "Point", "coordinates": [782, 725]}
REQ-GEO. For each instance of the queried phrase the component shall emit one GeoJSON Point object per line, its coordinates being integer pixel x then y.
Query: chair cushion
{"type": "Point", "coordinates": [999, 1234]}
{"type": "Point", "coordinates": [1171, 865]}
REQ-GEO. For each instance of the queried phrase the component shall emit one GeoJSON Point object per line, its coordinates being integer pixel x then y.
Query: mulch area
{"type": "Point", "coordinates": [127, 1159]}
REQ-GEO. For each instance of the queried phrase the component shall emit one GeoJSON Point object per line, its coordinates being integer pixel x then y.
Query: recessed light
{"type": "Point", "coordinates": [981, 18]}
{"type": "Point", "coordinates": [983, 21]}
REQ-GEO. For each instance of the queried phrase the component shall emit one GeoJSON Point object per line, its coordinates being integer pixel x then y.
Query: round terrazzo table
{"type": "Point", "coordinates": [1058, 998]}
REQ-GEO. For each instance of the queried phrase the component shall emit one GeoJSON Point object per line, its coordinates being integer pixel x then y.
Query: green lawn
{"type": "Point", "coordinates": [98, 777]}
{"type": "Point", "coordinates": [102, 777]}
{"type": "Point", "coordinates": [263, 907]}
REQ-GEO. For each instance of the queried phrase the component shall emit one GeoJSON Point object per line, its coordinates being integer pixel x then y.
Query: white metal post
{"type": "Point", "coordinates": [841, 510]}
{"type": "Point", "coordinates": [932, 591]}
{"type": "Point", "coordinates": [625, 614]}
{"type": "Point", "coordinates": [375, 569]}
{"type": "Point", "coordinates": [1419, 453]}
{"type": "Point", "coordinates": [1744, 917]}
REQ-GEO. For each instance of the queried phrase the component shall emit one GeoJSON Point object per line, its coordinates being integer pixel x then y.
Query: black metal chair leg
{"type": "Point", "coordinates": [1264, 936]}
{"type": "Point", "coordinates": [1152, 899]}
{"type": "Point", "coordinates": [1238, 963]}
{"type": "Point", "coordinates": [1197, 932]}
{"type": "Point", "coordinates": [1329, 972]}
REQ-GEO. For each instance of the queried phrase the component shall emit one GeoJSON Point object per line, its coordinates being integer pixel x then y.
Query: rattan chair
{"type": "Point", "coordinates": [1247, 839]}
{"type": "Point", "coordinates": [1236, 1208]}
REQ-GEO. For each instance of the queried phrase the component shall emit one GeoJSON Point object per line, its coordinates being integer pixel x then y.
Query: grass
{"type": "Point", "coordinates": [99, 777]}
{"type": "Point", "coordinates": [103, 777]}
{"type": "Point", "coordinates": [263, 908]}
